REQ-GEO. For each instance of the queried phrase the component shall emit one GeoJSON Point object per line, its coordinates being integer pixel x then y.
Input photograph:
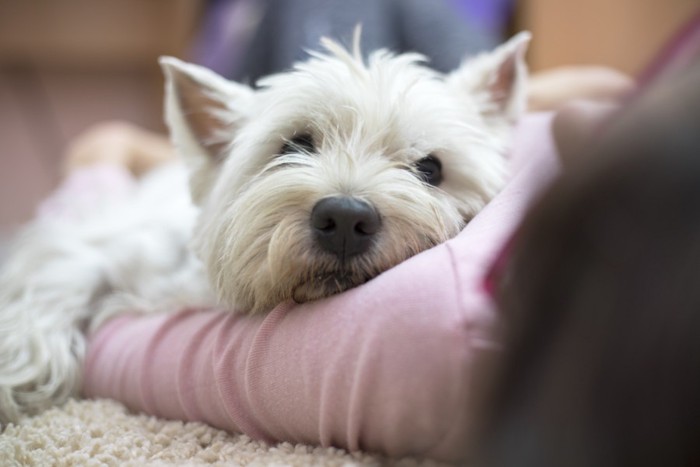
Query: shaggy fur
{"type": "Point", "coordinates": [371, 123]}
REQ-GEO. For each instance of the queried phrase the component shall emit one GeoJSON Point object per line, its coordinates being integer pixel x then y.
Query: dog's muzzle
{"type": "Point", "coordinates": [344, 226]}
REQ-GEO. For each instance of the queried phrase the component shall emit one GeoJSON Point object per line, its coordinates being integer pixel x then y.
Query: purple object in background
{"type": "Point", "coordinates": [491, 15]}
{"type": "Point", "coordinates": [227, 28]}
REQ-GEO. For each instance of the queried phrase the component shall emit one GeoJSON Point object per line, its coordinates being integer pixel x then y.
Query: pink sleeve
{"type": "Point", "coordinates": [86, 190]}
{"type": "Point", "coordinates": [383, 367]}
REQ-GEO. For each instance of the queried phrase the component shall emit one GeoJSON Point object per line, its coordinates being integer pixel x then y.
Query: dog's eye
{"type": "Point", "coordinates": [430, 170]}
{"type": "Point", "coordinates": [303, 143]}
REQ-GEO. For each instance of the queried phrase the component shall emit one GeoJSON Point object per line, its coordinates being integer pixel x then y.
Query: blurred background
{"type": "Point", "coordinates": [68, 64]}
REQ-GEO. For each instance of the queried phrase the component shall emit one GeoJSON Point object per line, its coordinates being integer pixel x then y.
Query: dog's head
{"type": "Point", "coordinates": [333, 172]}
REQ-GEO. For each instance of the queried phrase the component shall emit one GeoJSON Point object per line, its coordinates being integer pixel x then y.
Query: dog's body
{"type": "Point", "coordinates": [315, 183]}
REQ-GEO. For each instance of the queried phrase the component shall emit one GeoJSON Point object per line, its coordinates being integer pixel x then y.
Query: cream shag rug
{"type": "Point", "coordinates": [102, 432]}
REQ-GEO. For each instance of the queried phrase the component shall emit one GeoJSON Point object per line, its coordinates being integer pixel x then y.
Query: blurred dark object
{"type": "Point", "coordinates": [600, 302]}
{"type": "Point", "coordinates": [247, 39]}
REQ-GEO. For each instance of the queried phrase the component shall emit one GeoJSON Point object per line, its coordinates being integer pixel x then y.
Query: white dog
{"type": "Point", "coordinates": [316, 182]}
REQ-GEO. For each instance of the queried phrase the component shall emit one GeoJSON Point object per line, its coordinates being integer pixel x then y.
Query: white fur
{"type": "Point", "coordinates": [67, 275]}
{"type": "Point", "coordinates": [371, 122]}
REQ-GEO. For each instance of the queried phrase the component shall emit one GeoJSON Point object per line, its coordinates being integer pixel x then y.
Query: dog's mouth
{"type": "Point", "coordinates": [328, 276]}
{"type": "Point", "coordinates": [325, 284]}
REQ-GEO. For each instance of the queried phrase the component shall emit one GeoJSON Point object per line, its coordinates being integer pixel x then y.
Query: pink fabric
{"type": "Point", "coordinates": [383, 367]}
{"type": "Point", "coordinates": [86, 190]}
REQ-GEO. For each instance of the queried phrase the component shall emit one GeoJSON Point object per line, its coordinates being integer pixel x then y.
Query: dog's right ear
{"type": "Point", "coordinates": [497, 80]}
{"type": "Point", "coordinates": [203, 112]}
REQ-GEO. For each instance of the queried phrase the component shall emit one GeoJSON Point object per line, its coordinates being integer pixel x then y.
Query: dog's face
{"type": "Point", "coordinates": [338, 170]}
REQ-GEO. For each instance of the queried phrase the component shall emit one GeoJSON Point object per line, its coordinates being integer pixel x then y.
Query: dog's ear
{"type": "Point", "coordinates": [497, 80]}
{"type": "Point", "coordinates": [203, 111]}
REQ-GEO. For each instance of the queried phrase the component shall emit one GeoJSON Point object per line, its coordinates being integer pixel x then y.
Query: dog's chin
{"type": "Point", "coordinates": [325, 284]}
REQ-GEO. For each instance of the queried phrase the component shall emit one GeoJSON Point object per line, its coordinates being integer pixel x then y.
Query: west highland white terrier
{"type": "Point", "coordinates": [315, 182]}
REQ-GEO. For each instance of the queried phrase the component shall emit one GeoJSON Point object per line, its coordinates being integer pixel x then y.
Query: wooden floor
{"type": "Point", "coordinates": [40, 111]}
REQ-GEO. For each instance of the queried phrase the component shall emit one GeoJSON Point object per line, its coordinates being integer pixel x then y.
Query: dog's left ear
{"type": "Point", "coordinates": [203, 111]}
{"type": "Point", "coordinates": [497, 79]}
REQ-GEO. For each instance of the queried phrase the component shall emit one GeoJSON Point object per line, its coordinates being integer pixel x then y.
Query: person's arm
{"type": "Point", "coordinates": [103, 164]}
{"type": "Point", "coordinates": [553, 89]}
{"type": "Point", "coordinates": [118, 143]}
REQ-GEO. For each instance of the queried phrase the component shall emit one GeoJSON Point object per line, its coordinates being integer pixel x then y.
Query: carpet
{"type": "Point", "coordinates": [105, 433]}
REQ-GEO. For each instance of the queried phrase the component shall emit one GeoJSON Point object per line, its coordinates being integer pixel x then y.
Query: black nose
{"type": "Point", "coordinates": [344, 226]}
